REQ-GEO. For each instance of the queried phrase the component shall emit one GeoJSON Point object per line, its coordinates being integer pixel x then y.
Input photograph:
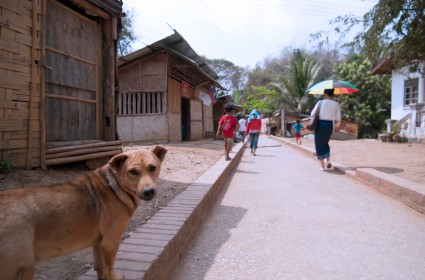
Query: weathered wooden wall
{"type": "Point", "coordinates": [174, 110]}
{"type": "Point", "coordinates": [73, 43]}
{"type": "Point", "coordinates": [57, 76]}
{"type": "Point", "coordinates": [20, 81]}
{"type": "Point", "coordinates": [147, 75]}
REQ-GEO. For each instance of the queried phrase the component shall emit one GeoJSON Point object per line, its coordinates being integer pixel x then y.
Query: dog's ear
{"type": "Point", "coordinates": [159, 152]}
{"type": "Point", "coordinates": [117, 161]}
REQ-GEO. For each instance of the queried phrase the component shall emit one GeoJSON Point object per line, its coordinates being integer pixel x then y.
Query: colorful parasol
{"type": "Point", "coordinates": [339, 86]}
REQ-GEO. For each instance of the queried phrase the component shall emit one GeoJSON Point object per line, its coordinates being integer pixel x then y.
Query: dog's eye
{"type": "Point", "coordinates": [134, 172]}
{"type": "Point", "coordinates": [152, 168]}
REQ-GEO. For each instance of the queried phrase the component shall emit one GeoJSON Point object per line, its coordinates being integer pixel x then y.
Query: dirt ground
{"type": "Point", "coordinates": [405, 160]}
{"type": "Point", "coordinates": [186, 161]}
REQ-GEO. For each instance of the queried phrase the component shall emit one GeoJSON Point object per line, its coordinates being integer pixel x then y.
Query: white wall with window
{"type": "Point", "coordinates": [407, 89]}
{"type": "Point", "coordinates": [407, 102]}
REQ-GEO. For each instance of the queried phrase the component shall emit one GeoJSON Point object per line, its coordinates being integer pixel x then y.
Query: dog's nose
{"type": "Point", "coordinates": [149, 193]}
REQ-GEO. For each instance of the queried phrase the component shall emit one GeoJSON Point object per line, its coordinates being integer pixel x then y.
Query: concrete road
{"type": "Point", "coordinates": [280, 217]}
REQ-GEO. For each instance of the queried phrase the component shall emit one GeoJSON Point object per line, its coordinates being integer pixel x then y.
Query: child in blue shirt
{"type": "Point", "coordinates": [297, 128]}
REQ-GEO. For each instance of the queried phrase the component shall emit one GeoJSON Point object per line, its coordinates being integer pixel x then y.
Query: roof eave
{"type": "Point", "coordinates": [384, 67]}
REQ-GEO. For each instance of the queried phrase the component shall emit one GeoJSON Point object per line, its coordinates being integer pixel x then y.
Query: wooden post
{"type": "Point", "coordinates": [108, 88]}
{"type": "Point", "coordinates": [282, 121]}
{"type": "Point", "coordinates": [33, 84]}
{"type": "Point", "coordinates": [43, 89]}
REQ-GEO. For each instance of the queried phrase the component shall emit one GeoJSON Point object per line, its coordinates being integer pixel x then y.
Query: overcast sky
{"type": "Point", "coordinates": [241, 31]}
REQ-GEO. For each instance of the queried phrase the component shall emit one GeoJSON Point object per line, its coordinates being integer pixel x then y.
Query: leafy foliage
{"type": "Point", "coordinates": [290, 88]}
{"type": "Point", "coordinates": [237, 97]}
{"type": "Point", "coordinates": [371, 106]}
{"type": "Point", "coordinates": [302, 74]}
{"type": "Point", "coordinates": [231, 77]}
{"type": "Point", "coordinates": [261, 98]}
{"type": "Point", "coordinates": [5, 166]}
{"type": "Point", "coordinates": [394, 28]}
{"type": "Point", "coordinates": [126, 37]}
{"type": "Point", "coordinates": [399, 23]}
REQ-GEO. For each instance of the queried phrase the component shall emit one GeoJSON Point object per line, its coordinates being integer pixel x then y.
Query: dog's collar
{"type": "Point", "coordinates": [116, 188]}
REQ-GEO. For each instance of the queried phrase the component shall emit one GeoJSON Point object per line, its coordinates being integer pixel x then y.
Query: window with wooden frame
{"type": "Point", "coordinates": [411, 92]}
{"type": "Point", "coordinates": [141, 103]}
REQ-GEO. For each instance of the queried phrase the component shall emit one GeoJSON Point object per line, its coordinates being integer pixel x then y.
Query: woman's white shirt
{"type": "Point", "coordinates": [330, 110]}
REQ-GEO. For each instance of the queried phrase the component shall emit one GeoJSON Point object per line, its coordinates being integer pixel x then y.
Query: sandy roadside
{"type": "Point", "coordinates": [405, 160]}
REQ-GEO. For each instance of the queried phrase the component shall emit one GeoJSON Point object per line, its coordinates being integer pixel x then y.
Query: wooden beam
{"type": "Point", "coordinates": [81, 158]}
{"type": "Point", "coordinates": [55, 96]}
{"type": "Point", "coordinates": [114, 28]}
{"type": "Point", "coordinates": [92, 8]}
{"type": "Point", "coordinates": [43, 89]}
{"type": "Point", "coordinates": [33, 87]}
{"type": "Point", "coordinates": [82, 152]}
{"type": "Point", "coordinates": [67, 55]}
{"type": "Point", "coordinates": [13, 126]}
{"type": "Point", "coordinates": [83, 146]}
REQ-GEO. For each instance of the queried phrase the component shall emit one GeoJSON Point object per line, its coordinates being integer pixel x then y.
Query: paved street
{"type": "Point", "coordinates": [280, 217]}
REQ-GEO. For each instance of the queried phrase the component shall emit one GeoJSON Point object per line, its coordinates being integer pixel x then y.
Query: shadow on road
{"type": "Point", "coordinates": [202, 255]}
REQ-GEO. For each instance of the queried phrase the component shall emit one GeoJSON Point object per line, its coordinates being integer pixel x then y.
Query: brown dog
{"type": "Point", "coordinates": [37, 224]}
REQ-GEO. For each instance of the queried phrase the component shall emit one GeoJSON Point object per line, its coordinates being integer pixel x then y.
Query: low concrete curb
{"type": "Point", "coordinates": [409, 193]}
{"type": "Point", "coordinates": [154, 250]}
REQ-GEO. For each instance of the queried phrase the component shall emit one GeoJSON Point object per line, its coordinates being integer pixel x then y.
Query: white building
{"type": "Point", "coordinates": [407, 100]}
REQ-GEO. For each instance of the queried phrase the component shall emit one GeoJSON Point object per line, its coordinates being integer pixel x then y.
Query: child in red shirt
{"type": "Point", "coordinates": [227, 126]}
{"type": "Point", "coordinates": [253, 129]}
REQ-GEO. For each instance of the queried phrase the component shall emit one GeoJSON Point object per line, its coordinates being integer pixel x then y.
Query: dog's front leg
{"type": "Point", "coordinates": [97, 261]}
{"type": "Point", "coordinates": [106, 262]}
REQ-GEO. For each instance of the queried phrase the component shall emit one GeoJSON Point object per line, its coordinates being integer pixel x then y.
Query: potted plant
{"type": "Point", "coordinates": [395, 132]}
{"type": "Point", "coordinates": [383, 137]}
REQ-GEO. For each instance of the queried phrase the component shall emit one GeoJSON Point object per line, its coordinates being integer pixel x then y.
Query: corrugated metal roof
{"type": "Point", "coordinates": [176, 43]}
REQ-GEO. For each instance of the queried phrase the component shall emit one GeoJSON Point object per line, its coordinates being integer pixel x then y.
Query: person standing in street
{"type": "Point", "coordinates": [297, 128]}
{"type": "Point", "coordinates": [329, 118]}
{"type": "Point", "coordinates": [253, 130]}
{"type": "Point", "coordinates": [227, 126]}
{"type": "Point", "coordinates": [242, 128]}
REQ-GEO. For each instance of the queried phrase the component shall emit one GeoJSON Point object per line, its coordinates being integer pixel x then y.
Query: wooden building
{"type": "Point", "coordinates": [57, 80]}
{"type": "Point", "coordinates": [165, 93]}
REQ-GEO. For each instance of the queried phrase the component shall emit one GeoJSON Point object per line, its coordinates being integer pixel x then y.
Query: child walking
{"type": "Point", "coordinates": [254, 129]}
{"type": "Point", "coordinates": [227, 126]}
{"type": "Point", "coordinates": [297, 128]}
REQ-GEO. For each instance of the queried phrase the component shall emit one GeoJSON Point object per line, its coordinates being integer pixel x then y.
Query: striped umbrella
{"type": "Point", "coordinates": [339, 86]}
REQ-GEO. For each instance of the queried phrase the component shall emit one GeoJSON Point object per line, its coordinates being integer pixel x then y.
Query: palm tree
{"type": "Point", "coordinates": [302, 73]}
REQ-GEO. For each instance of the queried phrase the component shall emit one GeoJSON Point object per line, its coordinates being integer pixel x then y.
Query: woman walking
{"type": "Point", "coordinates": [254, 130]}
{"type": "Point", "coordinates": [329, 118]}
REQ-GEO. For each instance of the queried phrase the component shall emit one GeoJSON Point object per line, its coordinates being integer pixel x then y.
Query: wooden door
{"type": "Point", "coordinates": [196, 123]}
{"type": "Point", "coordinates": [71, 75]}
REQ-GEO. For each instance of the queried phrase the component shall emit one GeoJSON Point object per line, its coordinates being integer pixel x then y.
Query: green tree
{"type": "Point", "coordinates": [262, 75]}
{"type": "Point", "coordinates": [231, 76]}
{"type": "Point", "coordinates": [394, 26]}
{"type": "Point", "coordinates": [126, 36]}
{"type": "Point", "coordinates": [302, 73]}
{"type": "Point", "coordinates": [371, 106]}
{"type": "Point", "coordinates": [261, 98]}
{"type": "Point", "coordinates": [237, 97]}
